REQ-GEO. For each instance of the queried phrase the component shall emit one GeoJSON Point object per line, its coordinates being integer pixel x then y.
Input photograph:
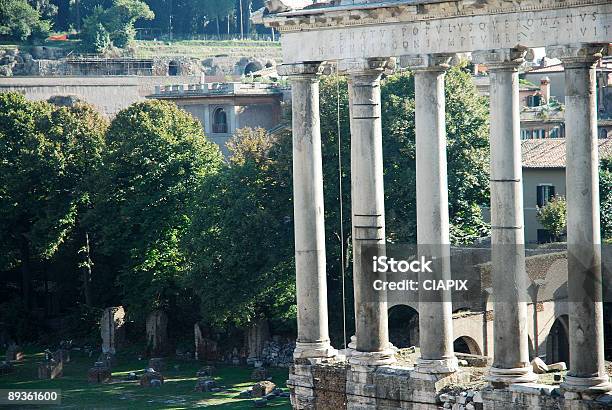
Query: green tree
{"type": "Point", "coordinates": [553, 216]}
{"type": "Point", "coordinates": [20, 21]}
{"type": "Point", "coordinates": [46, 157]}
{"type": "Point", "coordinates": [102, 41]}
{"type": "Point", "coordinates": [80, 129]}
{"type": "Point", "coordinates": [241, 242]}
{"type": "Point", "coordinates": [156, 158]}
{"type": "Point", "coordinates": [118, 21]}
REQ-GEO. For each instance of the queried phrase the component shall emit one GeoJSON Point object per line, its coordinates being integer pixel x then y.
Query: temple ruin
{"type": "Point", "coordinates": [361, 39]}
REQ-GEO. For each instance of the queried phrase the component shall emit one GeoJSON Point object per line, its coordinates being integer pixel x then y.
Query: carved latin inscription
{"type": "Point", "coordinates": [458, 34]}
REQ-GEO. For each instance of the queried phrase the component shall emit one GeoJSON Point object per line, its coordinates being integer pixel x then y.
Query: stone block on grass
{"type": "Point", "coordinates": [262, 388]}
{"type": "Point", "coordinates": [148, 376]}
{"type": "Point", "coordinates": [99, 373]}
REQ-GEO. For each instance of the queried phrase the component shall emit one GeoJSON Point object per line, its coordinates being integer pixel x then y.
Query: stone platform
{"type": "Point", "coordinates": [335, 384]}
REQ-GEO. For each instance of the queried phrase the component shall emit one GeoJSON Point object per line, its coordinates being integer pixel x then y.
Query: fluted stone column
{"type": "Point", "coordinates": [510, 353]}
{"type": "Point", "coordinates": [368, 208]}
{"type": "Point", "coordinates": [311, 283]}
{"type": "Point", "coordinates": [586, 336]}
{"type": "Point", "coordinates": [433, 229]}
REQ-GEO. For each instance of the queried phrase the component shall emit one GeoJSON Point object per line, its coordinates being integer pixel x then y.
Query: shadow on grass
{"type": "Point", "coordinates": [176, 393]}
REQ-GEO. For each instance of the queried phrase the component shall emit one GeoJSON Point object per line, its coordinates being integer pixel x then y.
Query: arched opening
{"type": "Point", "coordinates": [219, 121]}
{"type": "Point", "coordinates": [252, 67]}
{"type": "Point", "coordinates": [173, 68]}
{"type": "Point", "coordinates": [465, 344]}
{"type": "Point", "coordinates": [403, 326]}
{"type": "Point", "coordinates": [557, 345]}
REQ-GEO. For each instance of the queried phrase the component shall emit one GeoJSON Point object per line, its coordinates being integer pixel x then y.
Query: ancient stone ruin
{"type": "Point", "coordinates": [157, 333]}
{"type": "Point", "coordinates": [111, 329]}
{"type": "Point", "coordinates": [361, 40]}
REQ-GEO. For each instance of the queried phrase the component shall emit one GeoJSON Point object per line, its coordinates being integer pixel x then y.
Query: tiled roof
{"type": "Point", "coordinates": [550, 152]}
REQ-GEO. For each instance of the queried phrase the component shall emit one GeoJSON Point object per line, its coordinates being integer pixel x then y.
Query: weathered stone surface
{"type": "Point", "coordinates": [205, 347]}
{"type": "Point", "coordinates": [107, 359]}
{"type": "Point", "coordinates": [539, 366]}
{"type": "Point", "coordinates": [146, 380]}
{"type": "Point", "coordinates": [262, 388]}
{"type": "Point", "coordinates": [157, 333]}
{"type": "Point", "coordinates": [205, 385]}
{"type": "Point", "coordinates": [475, 360]}
{"type": "Point", "coordinates": [487, 30]}
{"type": "Point", "coordinates": [557, 367]}
{"type": "Point", "coordinates": [50, 369]}
{"type": "Point", "coordinates": [62, 355]}
{"type": "Point", "coordinates": [111, 328]}
{"type": "Point", "coordinates": [99, 374]}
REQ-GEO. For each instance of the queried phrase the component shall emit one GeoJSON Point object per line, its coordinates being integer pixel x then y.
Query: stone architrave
{"type": "Point", "coordinates": [157, 333]}
{"type": "Point", "coordinates": [438, 27]}
{"type": "Point", "coordinates": [111, 328]}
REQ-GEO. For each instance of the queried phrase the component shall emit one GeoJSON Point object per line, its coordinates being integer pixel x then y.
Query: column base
{"type": "Point", "coordinates": [437, 366]}
{"type": "Point", "coordinates": [594, 385]}
{"type": "Point", "coordinates": [313, 350]}
{"type": "Point", "coordinates": [498, 376]}
{"type": "Point", "coordinates": [385, 357]}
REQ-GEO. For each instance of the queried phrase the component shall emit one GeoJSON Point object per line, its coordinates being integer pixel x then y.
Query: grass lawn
{"type": "Point", "coordinates": [176, 393]}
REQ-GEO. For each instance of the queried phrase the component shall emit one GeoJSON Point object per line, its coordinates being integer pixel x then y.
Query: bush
{"type": "Point", "coordinates": [553, 216]}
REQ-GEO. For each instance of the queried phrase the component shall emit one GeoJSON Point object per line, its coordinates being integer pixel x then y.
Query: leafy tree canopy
{"type": "Point", "coordinates": [20, 21]}
{"type": "Point", "coordinates": [156, 158]}
{"type": "Point", "coordinates": [117, 20]}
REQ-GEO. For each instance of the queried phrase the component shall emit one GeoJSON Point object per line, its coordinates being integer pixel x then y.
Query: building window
{"type": "Point", "coordinates": [545, 193]}
{"type": "Point", "coordinates": [219, 121]}
{"type": "Point", "coordinates": [534, 100]}
{"type": "Point", "coordinates": [554, 133]}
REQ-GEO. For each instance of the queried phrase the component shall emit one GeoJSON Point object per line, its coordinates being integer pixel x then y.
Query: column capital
{"type": "Point", "coordinates": [364, 66]}
{"type": "Point", "coordinates": [503, 58]}
{"type": "Point", "coordinates": [308, 69]}
{"type": "Point", "coordinates": [579, 54]}
{"type": "Point", "coordinates": [428, 62]}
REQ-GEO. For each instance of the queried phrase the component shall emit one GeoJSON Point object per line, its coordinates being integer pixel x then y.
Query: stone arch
{"type": "Point", "coordinates": [403, 326]}
{"type": "Point", "coordinates": [465, 344]}
{"type": "Point", "coordinates": [252, 66]}
{"type": "Point", "coordinates": [173, 68]}
{"type": "Point", "coordinates": [557, 342]}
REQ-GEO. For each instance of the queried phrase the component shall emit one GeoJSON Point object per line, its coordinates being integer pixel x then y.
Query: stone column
{"type": "Point", "coordinates": [311, 281]}
{"type": "Point", "coordinates": [586, 368]}
{"type": "Point", "coordinates": [510, 353]}
{"type": "Point", "coordinates": [368, 208]}
{"type": "Point", "coordinates": [433, 231]}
